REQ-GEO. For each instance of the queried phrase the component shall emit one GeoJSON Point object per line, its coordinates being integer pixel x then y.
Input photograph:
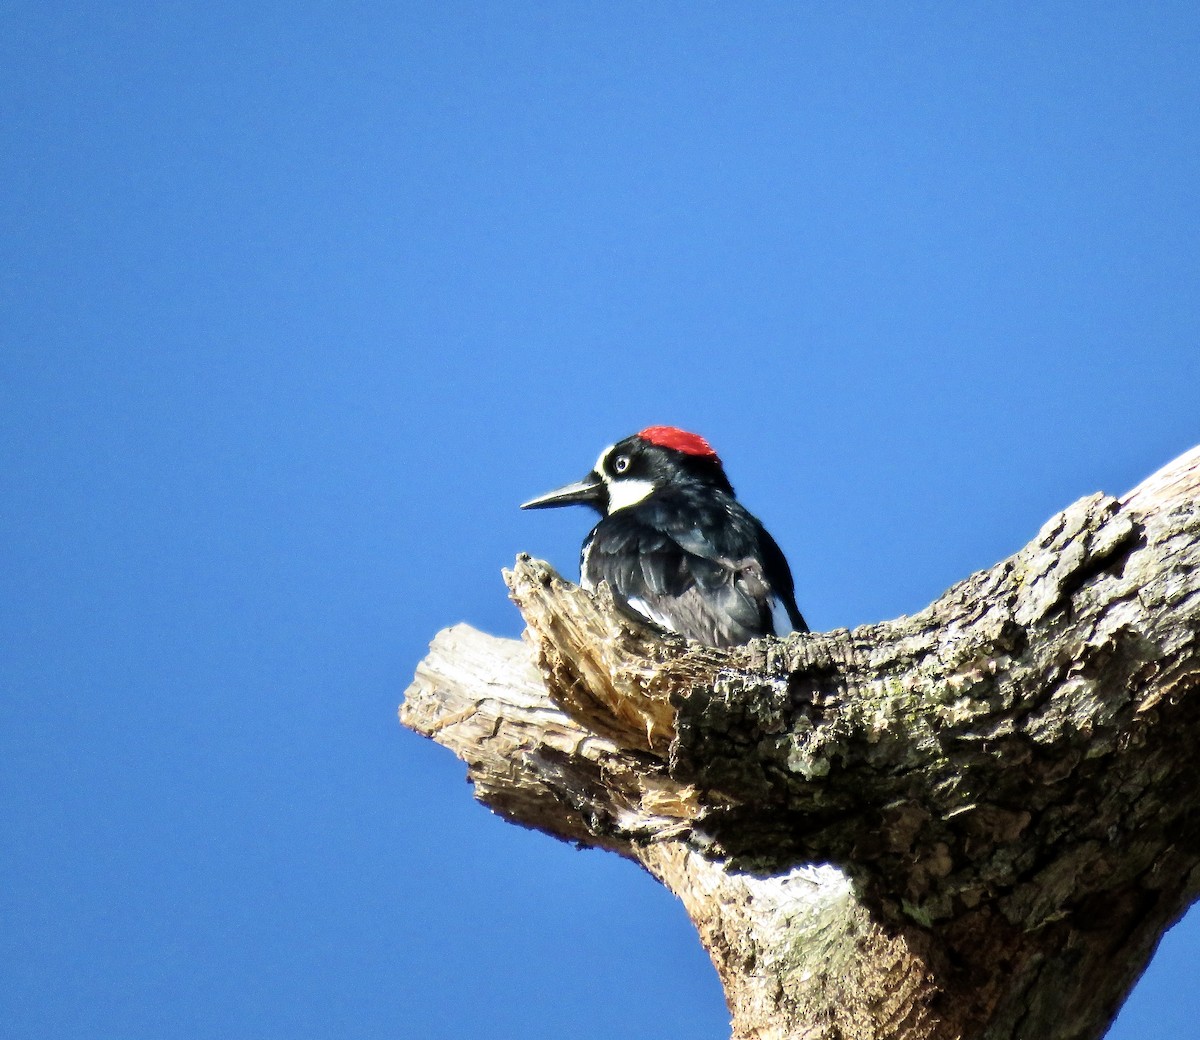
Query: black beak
{"type": "Point", "coordinates": [588, 492]}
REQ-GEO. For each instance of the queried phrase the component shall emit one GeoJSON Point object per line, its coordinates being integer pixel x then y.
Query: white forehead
{"type": "Point", "coordinates": [603, 456]}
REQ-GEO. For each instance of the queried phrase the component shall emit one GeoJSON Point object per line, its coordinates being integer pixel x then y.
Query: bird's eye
{"type": "Point", "coordinates": [621, 463]}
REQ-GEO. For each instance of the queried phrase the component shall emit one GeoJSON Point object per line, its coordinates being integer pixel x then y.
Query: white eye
{"type": "Point", "coordinates": [621, 463]}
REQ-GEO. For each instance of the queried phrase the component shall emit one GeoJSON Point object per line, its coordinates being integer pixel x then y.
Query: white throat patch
{"type": "Point", "coordinates": [625, 493]}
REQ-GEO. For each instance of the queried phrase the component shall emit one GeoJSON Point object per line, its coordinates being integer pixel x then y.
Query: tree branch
{"type": "Point", "coordinates": [1000, 786]}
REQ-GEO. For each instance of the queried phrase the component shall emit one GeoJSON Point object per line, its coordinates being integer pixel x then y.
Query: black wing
{"type": "Point", "coordinates": [705, 569]}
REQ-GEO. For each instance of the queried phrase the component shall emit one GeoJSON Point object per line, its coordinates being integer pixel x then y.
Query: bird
{"type": "Point", "coordinates": [676, 546]}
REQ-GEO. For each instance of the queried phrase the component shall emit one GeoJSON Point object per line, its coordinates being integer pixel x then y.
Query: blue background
{"type": "Point", "coordinates": [298, 301]}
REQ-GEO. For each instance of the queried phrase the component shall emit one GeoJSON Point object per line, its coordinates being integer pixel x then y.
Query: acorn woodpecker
{"type": "Point", "coordinates": [676, 546]}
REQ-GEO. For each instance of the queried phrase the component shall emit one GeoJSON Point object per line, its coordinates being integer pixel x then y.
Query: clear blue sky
{"type": "Point", "coordinates": [298, 301]}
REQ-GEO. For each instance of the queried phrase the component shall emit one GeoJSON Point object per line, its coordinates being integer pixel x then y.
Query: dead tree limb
{"type": "Point", "coordinates": [976, 821]}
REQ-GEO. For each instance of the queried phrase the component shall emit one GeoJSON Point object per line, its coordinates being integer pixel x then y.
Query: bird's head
{"type": "Point", "coordinates": [631, 470]}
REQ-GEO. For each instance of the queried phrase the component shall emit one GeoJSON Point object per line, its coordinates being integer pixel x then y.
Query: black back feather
{"type": "Point", "coordinates": [697, 562]}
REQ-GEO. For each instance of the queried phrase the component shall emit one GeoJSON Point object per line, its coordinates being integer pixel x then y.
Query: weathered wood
{"type": "Point", "coordinates": [972, 822]}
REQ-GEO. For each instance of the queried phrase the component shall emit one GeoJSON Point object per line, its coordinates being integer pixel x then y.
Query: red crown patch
{"type": "Point", "coordinates": [679, 440]}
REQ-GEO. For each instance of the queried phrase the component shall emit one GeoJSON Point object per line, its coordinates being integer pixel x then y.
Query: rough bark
{"type": "Point", "coordinates": [976, 821]}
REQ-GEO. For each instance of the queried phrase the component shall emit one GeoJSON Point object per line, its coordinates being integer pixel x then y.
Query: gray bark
{"type": "Point", "coordinates": [976, 821]}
